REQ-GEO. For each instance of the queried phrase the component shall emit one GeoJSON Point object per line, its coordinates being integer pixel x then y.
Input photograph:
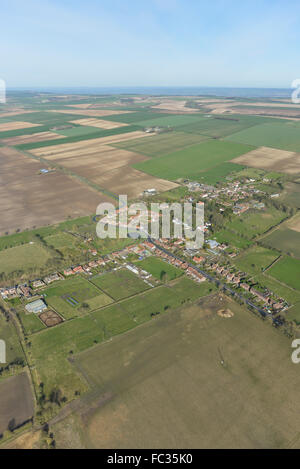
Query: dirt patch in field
{"type": "Point", "coordinates": [174, 106]}
{"type": "Point", "coordinates": [50, 318]}
{"type": "Point", "coordinates": [225, 313]}
{"type": "Point", "coordinates": [271, 159]}
{"type": "Point", "coordinates": [15, 125]}
{"type": "Point", "coordinates": [32, 138]}
{"type": "Point", "coordinates": [99, 123]}
{"type": "Point", "coordinates": [30, 199]}
{"type": "Point", "coordinates": [16, 401]}
{"type": "Point", "coordinates": [294, 223]}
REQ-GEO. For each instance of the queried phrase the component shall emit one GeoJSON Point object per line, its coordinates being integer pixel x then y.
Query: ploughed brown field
{"type": "Point", "coordinates": [99, 123]}
{"type": "Point", "coordinates": [271, 159]}
{"type": "Point", "coordinates": [16, 401]}
{"type": "Point", "coordinates": [31, 138]}
{"type": "Point", "coordinates": [32, 199]}
{"type": "Point", "coordinates": [108, 167]}
{"type": "Point", "coordinates": [16, 126]}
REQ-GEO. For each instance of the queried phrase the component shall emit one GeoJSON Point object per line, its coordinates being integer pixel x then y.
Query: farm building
{"type": "Point", "coordinates": [36, 307]}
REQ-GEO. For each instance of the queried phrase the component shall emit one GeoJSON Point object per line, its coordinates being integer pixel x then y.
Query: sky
{"type": "Point", "coordinates": [94, 43]}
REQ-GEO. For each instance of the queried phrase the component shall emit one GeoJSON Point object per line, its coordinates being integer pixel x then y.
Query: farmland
{"type": "Point", "coordinates": [271, 159]}
{"type": "Point", "coordinates": [285, 136]}
{"type": "Point", "coordinates": [191, 161]}
{"type": "Point", "coordinates": [179, 355]}
{"type": "Point", "coordinates": [158, 145]}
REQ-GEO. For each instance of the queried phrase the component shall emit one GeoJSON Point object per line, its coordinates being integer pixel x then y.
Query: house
{"type": "Point", "coordinates": [198, 259]}
{"type": "Point", "coordinates": [78, 269]}
{"type": "Point", "coordinates": [38, 284]}
{"type": "Point", "coordinates": [68, 272]}
{"type": "Point", "coordinates": [52, 278]}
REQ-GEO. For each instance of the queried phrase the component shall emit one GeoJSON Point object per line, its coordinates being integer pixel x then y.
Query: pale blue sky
{"type": "Point", "coordinates": [150, 42]}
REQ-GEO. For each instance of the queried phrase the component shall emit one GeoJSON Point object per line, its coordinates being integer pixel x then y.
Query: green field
{"type": "Point", "coordinates": [287, 270]}
{"type": "Point", "coordinates": [193, 160]}
{"type": "Point", "coordinates": [285, 136]}
{"type": "Point", "coordinates": [219, 127]}
{"type": "Point", "coordinates": [255, 260]}
{"type": "Point", "coordinates": [219, 173]}
{"type": "Point", "coordinates": [120, 284]}
{"type": "Point", "coordinates": [31, 323]}
{"type": "Point", "coordinates": [23, 258]}
{"type": "Point", "coordinates": [168, 373]}
{"type": "Point", "coordinates": [171, 121]}
{"type": "Point", "coordinates": [285, 240]}
{"type": "Point", "coordinates": [158, 268]}
{"type": "Point", "coordinates": [9, 335]}
{"type": "Point", "coordinates": [136, 117]}
{"type": "Point", "coordinates": [253, 222]}
{"type": "Point", "coordinates": [162, 144]}
{"type": "Point", "coordinates": [87, 297]}
{"type": "Point", "coordinates": [79, 130]}
{"type": "Point", "coordinates": [280, 289]}
{"type": "Point", "coordinates": [293, 314]}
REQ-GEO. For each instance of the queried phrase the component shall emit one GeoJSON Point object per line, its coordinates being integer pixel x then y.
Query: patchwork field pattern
{"type": "Point", "coordinates": [15, 125]}
{"type": "Point", "coordinates": [31, 138]}
{"type": "Point", "coordinates": [99, 123]}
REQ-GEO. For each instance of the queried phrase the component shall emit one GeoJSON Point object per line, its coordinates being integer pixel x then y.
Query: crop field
{"type": "Point", "coordinates": [277, 135]}
{"type": "Point", "coordinates": [136, 117]}
{"type": "Point", "coordinates": [271, 159]}
{"type": "Point", "coordinates": [99, 123]}
{"type": "Point", "coordinates": [287, 271]}
{"type": "Point", "coordinates": [162, 144]}
{"type": "Point", "coordinates": [23, 258]}
{"type": "Point", "coordinates": [219, 127]}
{"type": "Point", "coordinates": [220, 172]}
{"type": "Point", "coordinates": [108, 167]}
{"type": "Point", "coordinates": [30, 199]}
{"type": "Point", "coordinates": [16, 400]}
{"type": "Point", "coordinates": [120, 284]}
{"type": "Point", "coordinates": [191, 161]}
{"type": "Point", "coordinates": [74, 297]}
{"type": "Point", "coordinates": [180, 354]}
{"type": "Point", "coordinates": [256, 259]}
{"type": "Point", "coordinates": [90, 112]}
{"type": "Point", "coordinates": [31, 138]}
{"type": "Point", "coordinates": [4, 127]}
{"type": "Point", "coordinates": [291, 195]}
{"type": "Point", "coordinates": [159, 268]}
{"type": "Point", "coordinates": [170, 121]}
{"type": "Point", "coordinates": [52, 347]}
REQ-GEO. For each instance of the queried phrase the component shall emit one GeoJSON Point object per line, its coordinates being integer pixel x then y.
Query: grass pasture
{"type": "Point", "coordinates": [178, 355]}
{"type": "Point", "coordinates": [284, 239]}
{"type": "Point", "coordinates": [120, 284]}
{"type": "Point", "coordinates": [157, 268]}
{"type": "Point", "coordinates": [191, 161]}
{"type": "Point", "coordinates": [287, 271]}
{"type": "Point", "coordinates": [74, 297]}
{"type": "Point", "coordinates": [22, 258]}
{"type": "Point", "coordinates": [255, 260]}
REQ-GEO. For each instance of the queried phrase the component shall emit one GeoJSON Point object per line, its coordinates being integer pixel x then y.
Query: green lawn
{"type": "Point", "coordinates": [158, 268]}
{"type": "Point", "coordinates": [190, 162]}
{"type": "Point", "coordinates": [31, 323]}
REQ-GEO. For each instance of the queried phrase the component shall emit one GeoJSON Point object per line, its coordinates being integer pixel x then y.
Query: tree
{"type": "Point", "coordinates": [11, 425]}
